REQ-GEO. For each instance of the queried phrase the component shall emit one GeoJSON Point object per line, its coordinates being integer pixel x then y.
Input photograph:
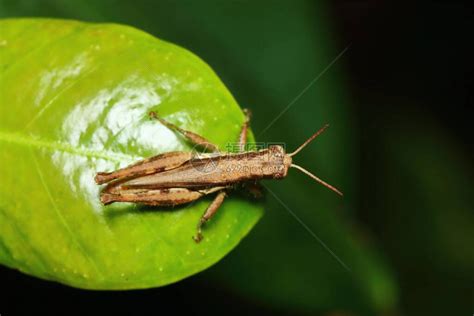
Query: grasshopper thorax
{"type": "Point", "coordinates": [278, 161]}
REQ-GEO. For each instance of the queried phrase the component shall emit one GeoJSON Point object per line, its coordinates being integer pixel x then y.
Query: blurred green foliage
{"type": "Point", "coordinates": [266, 54]}
{"type": "Point", "coordinates": [423, 213]}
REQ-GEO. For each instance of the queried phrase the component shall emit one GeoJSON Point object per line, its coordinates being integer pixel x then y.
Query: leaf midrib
{"type": "Point", "coordinates": [35, 142]}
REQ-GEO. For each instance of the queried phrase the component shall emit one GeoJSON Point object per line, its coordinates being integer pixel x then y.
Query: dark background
{"type": "Point", "coordinates": [407, 80]}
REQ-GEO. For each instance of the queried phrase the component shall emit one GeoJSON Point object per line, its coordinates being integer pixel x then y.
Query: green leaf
{"type": "Point", "coordinates": [74, 100]}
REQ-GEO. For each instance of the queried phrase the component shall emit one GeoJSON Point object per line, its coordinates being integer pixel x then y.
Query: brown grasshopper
{"type": "Point", "coordinates": [182, 177]}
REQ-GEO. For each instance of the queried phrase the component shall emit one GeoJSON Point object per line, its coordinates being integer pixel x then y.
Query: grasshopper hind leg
{"type": "Point", "coordinates": [210, 212]}
{"type": "Point", "coordinates": [190, 136]}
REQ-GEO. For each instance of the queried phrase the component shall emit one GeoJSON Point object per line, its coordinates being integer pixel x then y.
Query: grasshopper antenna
{"type": "Point", "coordinates": [309, 140]}
{"type": "Point", "coordinates": [327, 185]}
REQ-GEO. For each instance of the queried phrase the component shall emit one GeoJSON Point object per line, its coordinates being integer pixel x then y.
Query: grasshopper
{"type": "Point", "coordinates": [176, 178]}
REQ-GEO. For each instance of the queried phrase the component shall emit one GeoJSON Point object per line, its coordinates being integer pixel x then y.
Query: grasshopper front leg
{"type": "Point", "coordinates": [252, 187]}
{"type": "Point", "coordinates": [244, 130]}
{"type": "Point", "coordinates": [210, 212]}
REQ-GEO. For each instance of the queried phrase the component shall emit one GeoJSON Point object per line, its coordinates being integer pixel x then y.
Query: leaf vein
{"type": "Point", "coordinates": [63, 220]}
